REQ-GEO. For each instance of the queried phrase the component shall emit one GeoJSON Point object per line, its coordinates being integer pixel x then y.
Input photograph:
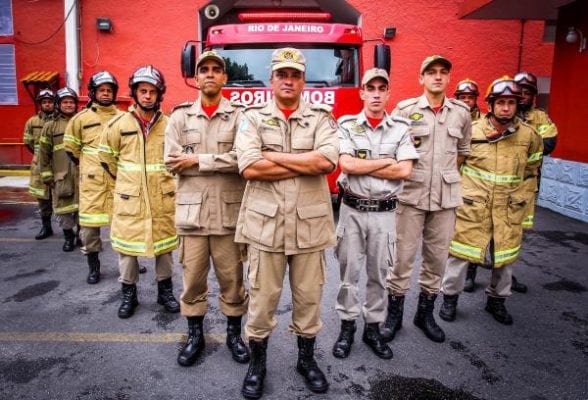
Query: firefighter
{"type": "Point", "coordinates": [82, 138]}
{"type": "Point", "coordinates": [376, 154]}
{"type": "Point", "coordinates": [32, 132]}
{"type": "Point", "coordinates": [285, 149]}
{"type": "Point", "coordinates": [57, 169]}
{"type": "Point", "coordinates": [441, 130]}
{"type": "Point", "coordinates": [499, 179]}
{"type": "Point", "coordinates": [467, 91]}
{"type": "Point", "coordinates": [209, 192]}
{"type": "Point", "coordinates": [131, 152]}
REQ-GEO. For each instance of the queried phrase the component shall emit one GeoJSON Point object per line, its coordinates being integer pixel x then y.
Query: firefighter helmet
{"type": "Point", "coordinates": [148, 74]}
{"type": "Point", "coordinates": [100, 78]}
{"type": "Point", "coordinates": [527, 80]}
{"type": "Point", "coordinates": [45, 94]}
{"type": "Point", "coordinates": [504, 86]}
{"type": "Point", "coordinates": [66, 92]}
{"type": "Point", "coordinates": [467, 86]}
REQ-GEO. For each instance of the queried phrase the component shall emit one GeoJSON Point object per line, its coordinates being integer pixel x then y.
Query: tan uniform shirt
{"type": "Point", "coordinates": [438, 138]}
{"type": "Point", "coordinates": [208, 195]}
{"type": "Point", "coordinates": [290, 216]}
{"type": "Point", "coordinates": [390, 139]}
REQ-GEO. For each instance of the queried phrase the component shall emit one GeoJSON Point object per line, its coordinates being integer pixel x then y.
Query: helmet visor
{"type": "Point", "coordinates": [525, 78]}
{"type": "Point", "coordinates": [467, 87]}
{"type": "Point", "coordinates": [505, 88]}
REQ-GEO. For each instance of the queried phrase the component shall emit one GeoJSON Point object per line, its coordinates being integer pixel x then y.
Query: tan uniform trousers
{"type": "Point", "coordinates": [455, 275]}
{"type": "Point", "coordinates": [195, 254]}
{"type": "Point", "coordinates": [91, 241]}
{"type": "Point", "coordinates": [435, 229]}
{"type": "Point", "coordinates": [365, 241]}
{"type": "Point", "coordinates": [45, 206]}
{"type": "Point", "coordinates": [67, 221]}
{"type": "Point", "coordinates": [266, 279]}
{"type": "Point", "coordinates": [129, 268]}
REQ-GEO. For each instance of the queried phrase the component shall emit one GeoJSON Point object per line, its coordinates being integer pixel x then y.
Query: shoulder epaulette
{"type": "Point", "coordinates": [321, 107]}
{"type": "Point", "coordinates": [408, 102]}
{"type": "Point", "coordinates": [185, 104]}
{"type": "Point", "coordinates": [113, 120]}
{"type": "Point", "coordinates": [236, 104]}
{"type": "Point", "coordinates": [255, 106]}
{"type": "Point", "coordinates": [346, 118]}
{"type": "Point", "coordinates": [400, 119]}
{"type": "Point", "coordinates": [460, 103]}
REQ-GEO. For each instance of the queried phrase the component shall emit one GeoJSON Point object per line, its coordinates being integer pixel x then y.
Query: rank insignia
{"type": "Point", "coordinates": [272, 122]}
{"type": "Point", "coordinates": [362, 153]}
{"type": "Point", "coordinates": [416, 141]}
{"type": "Point", "coordinates": [415, 116]}
{"type": "Point", "coordinates": [357, 128]}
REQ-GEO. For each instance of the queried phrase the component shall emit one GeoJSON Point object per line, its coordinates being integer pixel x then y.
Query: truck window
{"type": "Point", "coordinates": [335, 66]}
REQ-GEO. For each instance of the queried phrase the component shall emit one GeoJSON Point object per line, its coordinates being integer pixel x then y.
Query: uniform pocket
{"type": "Point", "coordinates": [472, 210]}
{"type": "Point", "coordinates": [253, 268]}
{"type": "Point", "coordinates": [312, 225]}
{"type": "Point", "coordinates": [260, 222]}
{"type": "Point", "coordinates": [127, 201]}
{"type": "Point", "coordinates": [225, 141]}
{"type": "Point", "coordinates": [93, 181]}
{"type": "Point", "coordinates": [455, 135]}
{"type": "Point", "coordinates": [168, 189]}
{"type": "Point", "coordinates": [271, 139]}
{"type": "Point", "coordinates": [230, 208]}
{"type": "Point", "coordinates": [420, 138]}
{"type": "Point", "coordinates": [302, 144]}
{"type": "Point", "coordinates": [413, 188]}
{"type": "Point", "coordinates": [191, 141]}
{"type": "Point", "coordinates": [451, 192]}
{"type": "Point", "coordinates": [388, 150]}
{"type": "Point", "coordinates": [517, 210]}
{"type": "Point", "coordinates": [64, 187]}
{"type": "Point", "coordinates": [188, 210]}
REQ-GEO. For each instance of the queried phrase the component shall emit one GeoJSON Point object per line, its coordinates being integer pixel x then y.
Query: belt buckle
{"type": "Point", "coordinates": [368, 205]}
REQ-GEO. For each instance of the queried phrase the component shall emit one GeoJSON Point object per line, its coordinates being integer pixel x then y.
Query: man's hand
{"type": "Point", "coordinates": [178, 162]}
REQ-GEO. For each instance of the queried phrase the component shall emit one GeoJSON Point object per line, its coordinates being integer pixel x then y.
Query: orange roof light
{"type": "Point", "coordinates": [273, 16]}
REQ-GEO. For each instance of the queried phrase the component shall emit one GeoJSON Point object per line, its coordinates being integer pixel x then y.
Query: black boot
{"type": "Point", "coordinates": [165, 296]}
{"type": "Point", "coordinates": [70, 240]}
{"type": "Point", "coordinates": [372, 337]}
{"type": "Point", "coordinates": [308, 368]}
{"type": "Point", "coordinates": [343, 344]}
{"type": "Point", "coordinates": [129, 301]}
{"type": "Point", "coordinates": [518, 286]}
{"type": "Point", "coordinates": [495, 306]}
{"type": "Point", "coordinates": [393, 321]}
{"type": "Point", "coordinates": [253, 382]}
{"type": "Point", "coordinates": [425, 320]}
{"type": "Point", "coordinates": [470, 282]}
{"type": "Point", "coordinates": [46, 229]}
{"type": "Point", "coordinates": [142, 269]}
{"type": "Point", "coordinates": [239, 351]}
{"type": "Point", "coordinates": [195, 343]}
{"type": "Point", "coordinates": [94, 266]}
{"type": "Point", "coordinates": [449, 307]}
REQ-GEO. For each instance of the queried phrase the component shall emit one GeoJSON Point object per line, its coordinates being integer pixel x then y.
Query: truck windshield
{"type": "Point", "coordinates": [333, 66]}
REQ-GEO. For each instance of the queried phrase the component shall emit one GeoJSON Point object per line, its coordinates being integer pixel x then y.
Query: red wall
{"type": "Point", "coordinates": [154, 32]}
{"type": "Point", "coordinates": [569, 103]}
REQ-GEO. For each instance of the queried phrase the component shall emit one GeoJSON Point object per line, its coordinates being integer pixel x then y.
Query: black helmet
{"type": "Point", "coordinates": [100, 78]}
{"type": "Point", "coordinates": [148, 74]}
{"type": "Point", "coordinates": [527, 80]}
{"type": "Point", "coordinates": [45, 94]}
{"type": "Point", "coordinates": [467, 86]}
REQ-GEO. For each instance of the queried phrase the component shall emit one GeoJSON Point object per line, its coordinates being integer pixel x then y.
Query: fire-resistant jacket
{"type": "Point", "coordinates": [143, 205]}
{"type": "Point", "coordinates": [498, 181]}
{"type": "Point", "coordinates": [57, 167]}
{"type": "Point", "coordinates": [82, 138]}
{"type": "Point", "coordinates": [209, 194]}
{"type": "Point", "coordinates": [32, 134]}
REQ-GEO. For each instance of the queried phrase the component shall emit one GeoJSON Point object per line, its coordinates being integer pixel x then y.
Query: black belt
{"type": "Point", "coordinates": [368, 204]}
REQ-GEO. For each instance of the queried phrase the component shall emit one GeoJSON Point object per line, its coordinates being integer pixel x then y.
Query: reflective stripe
{"type": "Point", "coordinates": [90, 150]}
{"type": "Point", "coordinates": [36, 147]}
{"type": "Point", "coordinates": [544, 128]}
{"type": "Point", "coordinates": [66, 209]}
{"type": "Point", "coordinates": [94, 219]}
{"type": "Point", "coordinates": [528, 221]}
{"type": "Point", "coordinates": [488, 176]}
{"type": "Point", "coordinates": [165, 244]}
{"type": "Point", "coordinates": [500, 257]}
{"type": "Point", "coordinates": [124, 166]}
{"type": "Point", "coordinates": [130, 247]}
{"type": "Point", "coordinates": [105, 149]}
{"type": "Point", "coordinates": [70, 138]}
{"type": "Point", "coordinates": [155, 167]}
{"type": "Point", "coordinates": [37, 192]}
{"type": "Point", "coordinates": [465, 250]}
{"type": "Point", "coordinates": [46, 174]}
{"type": "Point", "coordinates": [535, 157]}
{"type": "Point", "coordinates": [43, 139]}
{"type": "Point", "coordinates": [58, 147]}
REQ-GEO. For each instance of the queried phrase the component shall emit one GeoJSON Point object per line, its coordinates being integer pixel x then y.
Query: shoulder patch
{"type": "Point", "coordinates": [408, 102]}
{"type": "Point", "coordinates": [321, 107]}
{"type": "Point", "coordinates": [460, 103]}
{"type": "Point", "coordinates": [113, 120]}
{"type": "Point", "coordinates": [185, 104]}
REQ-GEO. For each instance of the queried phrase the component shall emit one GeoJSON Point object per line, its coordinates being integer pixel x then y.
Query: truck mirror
{"type": "Point", "coordinates": [188, 61]}
{"type": "Point", "coordinates": [382, 58]}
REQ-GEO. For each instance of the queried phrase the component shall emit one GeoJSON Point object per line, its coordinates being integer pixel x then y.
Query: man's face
{"type": "Point", "coordinates": [469, 99]}
{"type": "Point", "coordinates": [105, 93]}
{"type": "Point", "coordinates": [528, 97]}
{"type": "Point", "coordinates": [146, 95]}
{"type": "Point", "coordinates": [287, 84]}
{"type": "Point", "coordinates": [47, 106]}
{"type": "Point", "coordinates": [505, 107]}
{"type": "Point", "coordinates": [210, 78]}
{"type": "Point", "coordinates": [435, 79]}
{"type": "Point", "coordinates": [375, 95]}
{"type": "Point", "coordinates": [67, 106]}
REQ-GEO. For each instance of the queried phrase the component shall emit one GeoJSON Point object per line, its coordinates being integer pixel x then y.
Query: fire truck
{"type": "Point", "coordinates": [246, 32]}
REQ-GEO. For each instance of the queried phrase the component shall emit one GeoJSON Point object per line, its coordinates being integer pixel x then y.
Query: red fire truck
{"type": "Point", "coordinates": [327, 32]}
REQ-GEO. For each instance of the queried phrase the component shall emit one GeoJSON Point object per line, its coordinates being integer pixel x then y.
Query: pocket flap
{"type": "Point", "coordinates": [417, 176]}
{"type": "Point", "coordinates": [456, 133]}
{"type": "Point", "coordinates": [420, 131]}
{"type": "Point", "coordinates": [189, 198]}
{"type": "Point", "coordinates": [517, 200]}
{"type": "Point", "coordinates": [128, 190]}
{"type": "Point", "coordinates": [451, 176]}
{"type": "Point", "coordinates": [232, 197]}
{"type": "Point", "coordinates": [273, 136]}
{"type": "Point", "coordinates": [192, 137]}
{"type": "Point", "coordinates": [267, 209]}
{"type": "Point", "coordinates": [226, 137]}
{"type": "Point", "coordinates": [314, 211]}
{"type": "Point", "coordinates": [303, 143]}
{"type": "Point", "coordinates": [168, 186]}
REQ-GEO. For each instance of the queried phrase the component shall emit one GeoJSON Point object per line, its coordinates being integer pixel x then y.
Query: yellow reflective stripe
{"type": "Point", "coordinates": [94, 219]}
{"type": "Point", "coordinates": [27, 136]}
{"type": "Point", "coordinates": [465, 250]}
{"type": "Point", "coordinates": [165, 244]}
{"type": "Point", "coordinates": [528, 221]}
{"type": "Point", "coordinates": [130, 247]}
{"type": "Point", "coordinates": [489, 176]}
{"type": "Point", "coordinates": [58, 147]}
{"type": "Point", "coordinates": [73, 139]}
{"type": "Point", "coordinates": [66, 209]}
{"type": "Point", "coordinates": [105, 149]}
{"type": "Point", "coordinates": [125, 166]}
{"type": "Point", "coordinates": [46, 174]}
{"type": "Point", "coordinates": [43, 139]}
{"type": "Point", "coordinates": [535, 157]}
{"type": "Point", "coordinates": [36, 147]}
{"type": "Point", "coordinates": [155, 167]}
{"type": "Point", "coordinates": [503, 256]}
{"type": "Point", "coordinates": [90, 150]}
{"type": "Point", "coordinates": [542, 129]}
{"type": "Point", "coordinates": [37, 192]}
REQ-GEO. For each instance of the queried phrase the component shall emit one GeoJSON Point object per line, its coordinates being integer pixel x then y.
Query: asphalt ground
{"type": "Point", "coordinates": [60, 338]}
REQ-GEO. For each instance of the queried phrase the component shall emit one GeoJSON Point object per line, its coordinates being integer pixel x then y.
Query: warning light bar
{"type": "Point", "coordinates": [291, 16]}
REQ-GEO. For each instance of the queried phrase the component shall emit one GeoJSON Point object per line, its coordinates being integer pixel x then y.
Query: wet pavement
{"type": "Point", "coordinates": [61, 339]}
